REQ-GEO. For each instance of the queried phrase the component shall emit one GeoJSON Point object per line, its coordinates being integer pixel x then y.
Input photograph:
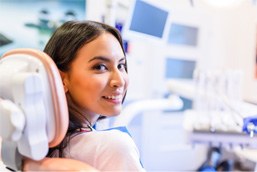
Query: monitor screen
{"type": "Point", "coordinates": [183, 35]}
{"type": "Point", "coordinates": [148, 19]}
{"type": "Point", "coordinates": [179, 68]}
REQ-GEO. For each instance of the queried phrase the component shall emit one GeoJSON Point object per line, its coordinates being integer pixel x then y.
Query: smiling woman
{"type": "Point", "coordinates": [102, 63]}
{"type": "Point", "coordinates": [93, 67]}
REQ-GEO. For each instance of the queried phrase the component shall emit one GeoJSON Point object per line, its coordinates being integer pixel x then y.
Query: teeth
{"type": "Point", "coordinates": [113, 97]}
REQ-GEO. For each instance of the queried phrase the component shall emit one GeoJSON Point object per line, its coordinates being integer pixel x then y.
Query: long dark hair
{"type": "Point", "coordinates": [63, 47]}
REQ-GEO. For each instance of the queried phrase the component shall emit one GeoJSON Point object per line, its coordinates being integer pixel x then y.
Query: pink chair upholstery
{"type": "Point", "coordinates": [55, 104]}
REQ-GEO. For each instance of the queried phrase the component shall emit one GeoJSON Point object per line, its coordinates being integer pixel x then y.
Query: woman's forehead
{"type": "Point", "coordinates": [105, 45]}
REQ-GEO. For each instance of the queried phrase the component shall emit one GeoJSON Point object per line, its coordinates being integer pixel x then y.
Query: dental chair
{"type": "Point", "coordinates": [33, 112]}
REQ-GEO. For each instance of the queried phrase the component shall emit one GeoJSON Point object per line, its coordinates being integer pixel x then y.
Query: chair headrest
{"type": "Point", "coordinates": [33, 107]}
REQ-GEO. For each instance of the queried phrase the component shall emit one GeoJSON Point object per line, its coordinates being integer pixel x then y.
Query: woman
{"type": "Point", "coordinates": [93, 67]}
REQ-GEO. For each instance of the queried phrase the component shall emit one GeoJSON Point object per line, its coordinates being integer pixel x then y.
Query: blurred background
{"type": "Point", "coordinates": [186, 60]}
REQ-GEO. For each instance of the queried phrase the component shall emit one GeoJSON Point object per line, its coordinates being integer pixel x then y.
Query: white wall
{"type": "Point", "coordinates": [232, 42]}
{"type": "Point", "coordinates": [241, 42]}
{"type": "Point", "coordinates": [95, 9]}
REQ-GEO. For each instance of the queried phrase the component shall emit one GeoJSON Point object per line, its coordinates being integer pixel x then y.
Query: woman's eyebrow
{"type": "Point", "coordinates": [104, 59]}
{"type": "Point", "coordinates": [99, 58]}
{"type": "Point", "coordinates": [122, 59]}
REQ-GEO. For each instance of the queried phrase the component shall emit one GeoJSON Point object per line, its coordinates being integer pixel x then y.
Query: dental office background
{"type": "Point", "coordinates": [166, 41]}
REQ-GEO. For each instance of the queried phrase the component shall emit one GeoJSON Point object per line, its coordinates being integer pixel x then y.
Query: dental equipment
{"type": "Point", "coordinates": [173, 102]}
{"type": "Point", "coordinates": [220, 120]}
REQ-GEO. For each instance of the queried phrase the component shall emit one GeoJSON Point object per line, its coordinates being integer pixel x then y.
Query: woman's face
{"type": "Point", "coordinates": [97, 80]}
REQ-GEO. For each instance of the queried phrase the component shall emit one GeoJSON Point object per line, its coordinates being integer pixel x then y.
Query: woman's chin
{"type": "Point", "coordinates": [112, 114]}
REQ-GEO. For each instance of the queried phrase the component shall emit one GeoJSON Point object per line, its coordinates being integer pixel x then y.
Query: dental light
{"type": "Point", "coordinates": [33, 110]}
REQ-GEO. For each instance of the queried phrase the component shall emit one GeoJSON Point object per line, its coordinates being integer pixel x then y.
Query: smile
{"type": "Point", "coordinates": [119, 97]}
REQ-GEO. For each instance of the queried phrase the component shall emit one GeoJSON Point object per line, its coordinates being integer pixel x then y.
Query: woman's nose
{"type": "Point", "coordinates": [118, 79]}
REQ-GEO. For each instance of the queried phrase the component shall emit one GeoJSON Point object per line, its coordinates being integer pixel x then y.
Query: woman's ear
{"type": "Point", "coordinates": [64, 81]}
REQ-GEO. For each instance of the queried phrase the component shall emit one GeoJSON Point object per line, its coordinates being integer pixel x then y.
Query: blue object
{"type": "Point", "coordinates": [176, 67]}
{"type": "Point", "coordinates": [183, 35]}
{"type": "Point", "coordinates": [148, 19]}
{"type": "Point", "coordinates": [212, 161]}
{"type": "Point", "coordinates": [250, 124]}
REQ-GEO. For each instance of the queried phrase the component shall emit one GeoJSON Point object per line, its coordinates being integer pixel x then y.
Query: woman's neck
{"type": "Point", "coordinates": [91, 119]}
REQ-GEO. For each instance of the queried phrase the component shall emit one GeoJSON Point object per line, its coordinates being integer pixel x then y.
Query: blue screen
{"type": "Point", "coordinates": [148, 19]}
{"type": "Point", "coordinates": [183, 35]}
{"type": "Point", "coordinates": [177, 68]}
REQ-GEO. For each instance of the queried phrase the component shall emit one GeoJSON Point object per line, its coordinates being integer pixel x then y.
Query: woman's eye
{"type": "Point", "coordinates": [100, 67]}
{"type": "Point", "coordinates": [122, 66]}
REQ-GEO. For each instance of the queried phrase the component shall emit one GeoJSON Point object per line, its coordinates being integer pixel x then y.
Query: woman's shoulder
{"type": "Point", "coordinates": [111, 136]}
{"type": "Point", "coordinates": [115, 140]}
{"type": "Point", "coordinates": [119, 139]}
{"type": "Point", "coordinates": [118, 146]}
